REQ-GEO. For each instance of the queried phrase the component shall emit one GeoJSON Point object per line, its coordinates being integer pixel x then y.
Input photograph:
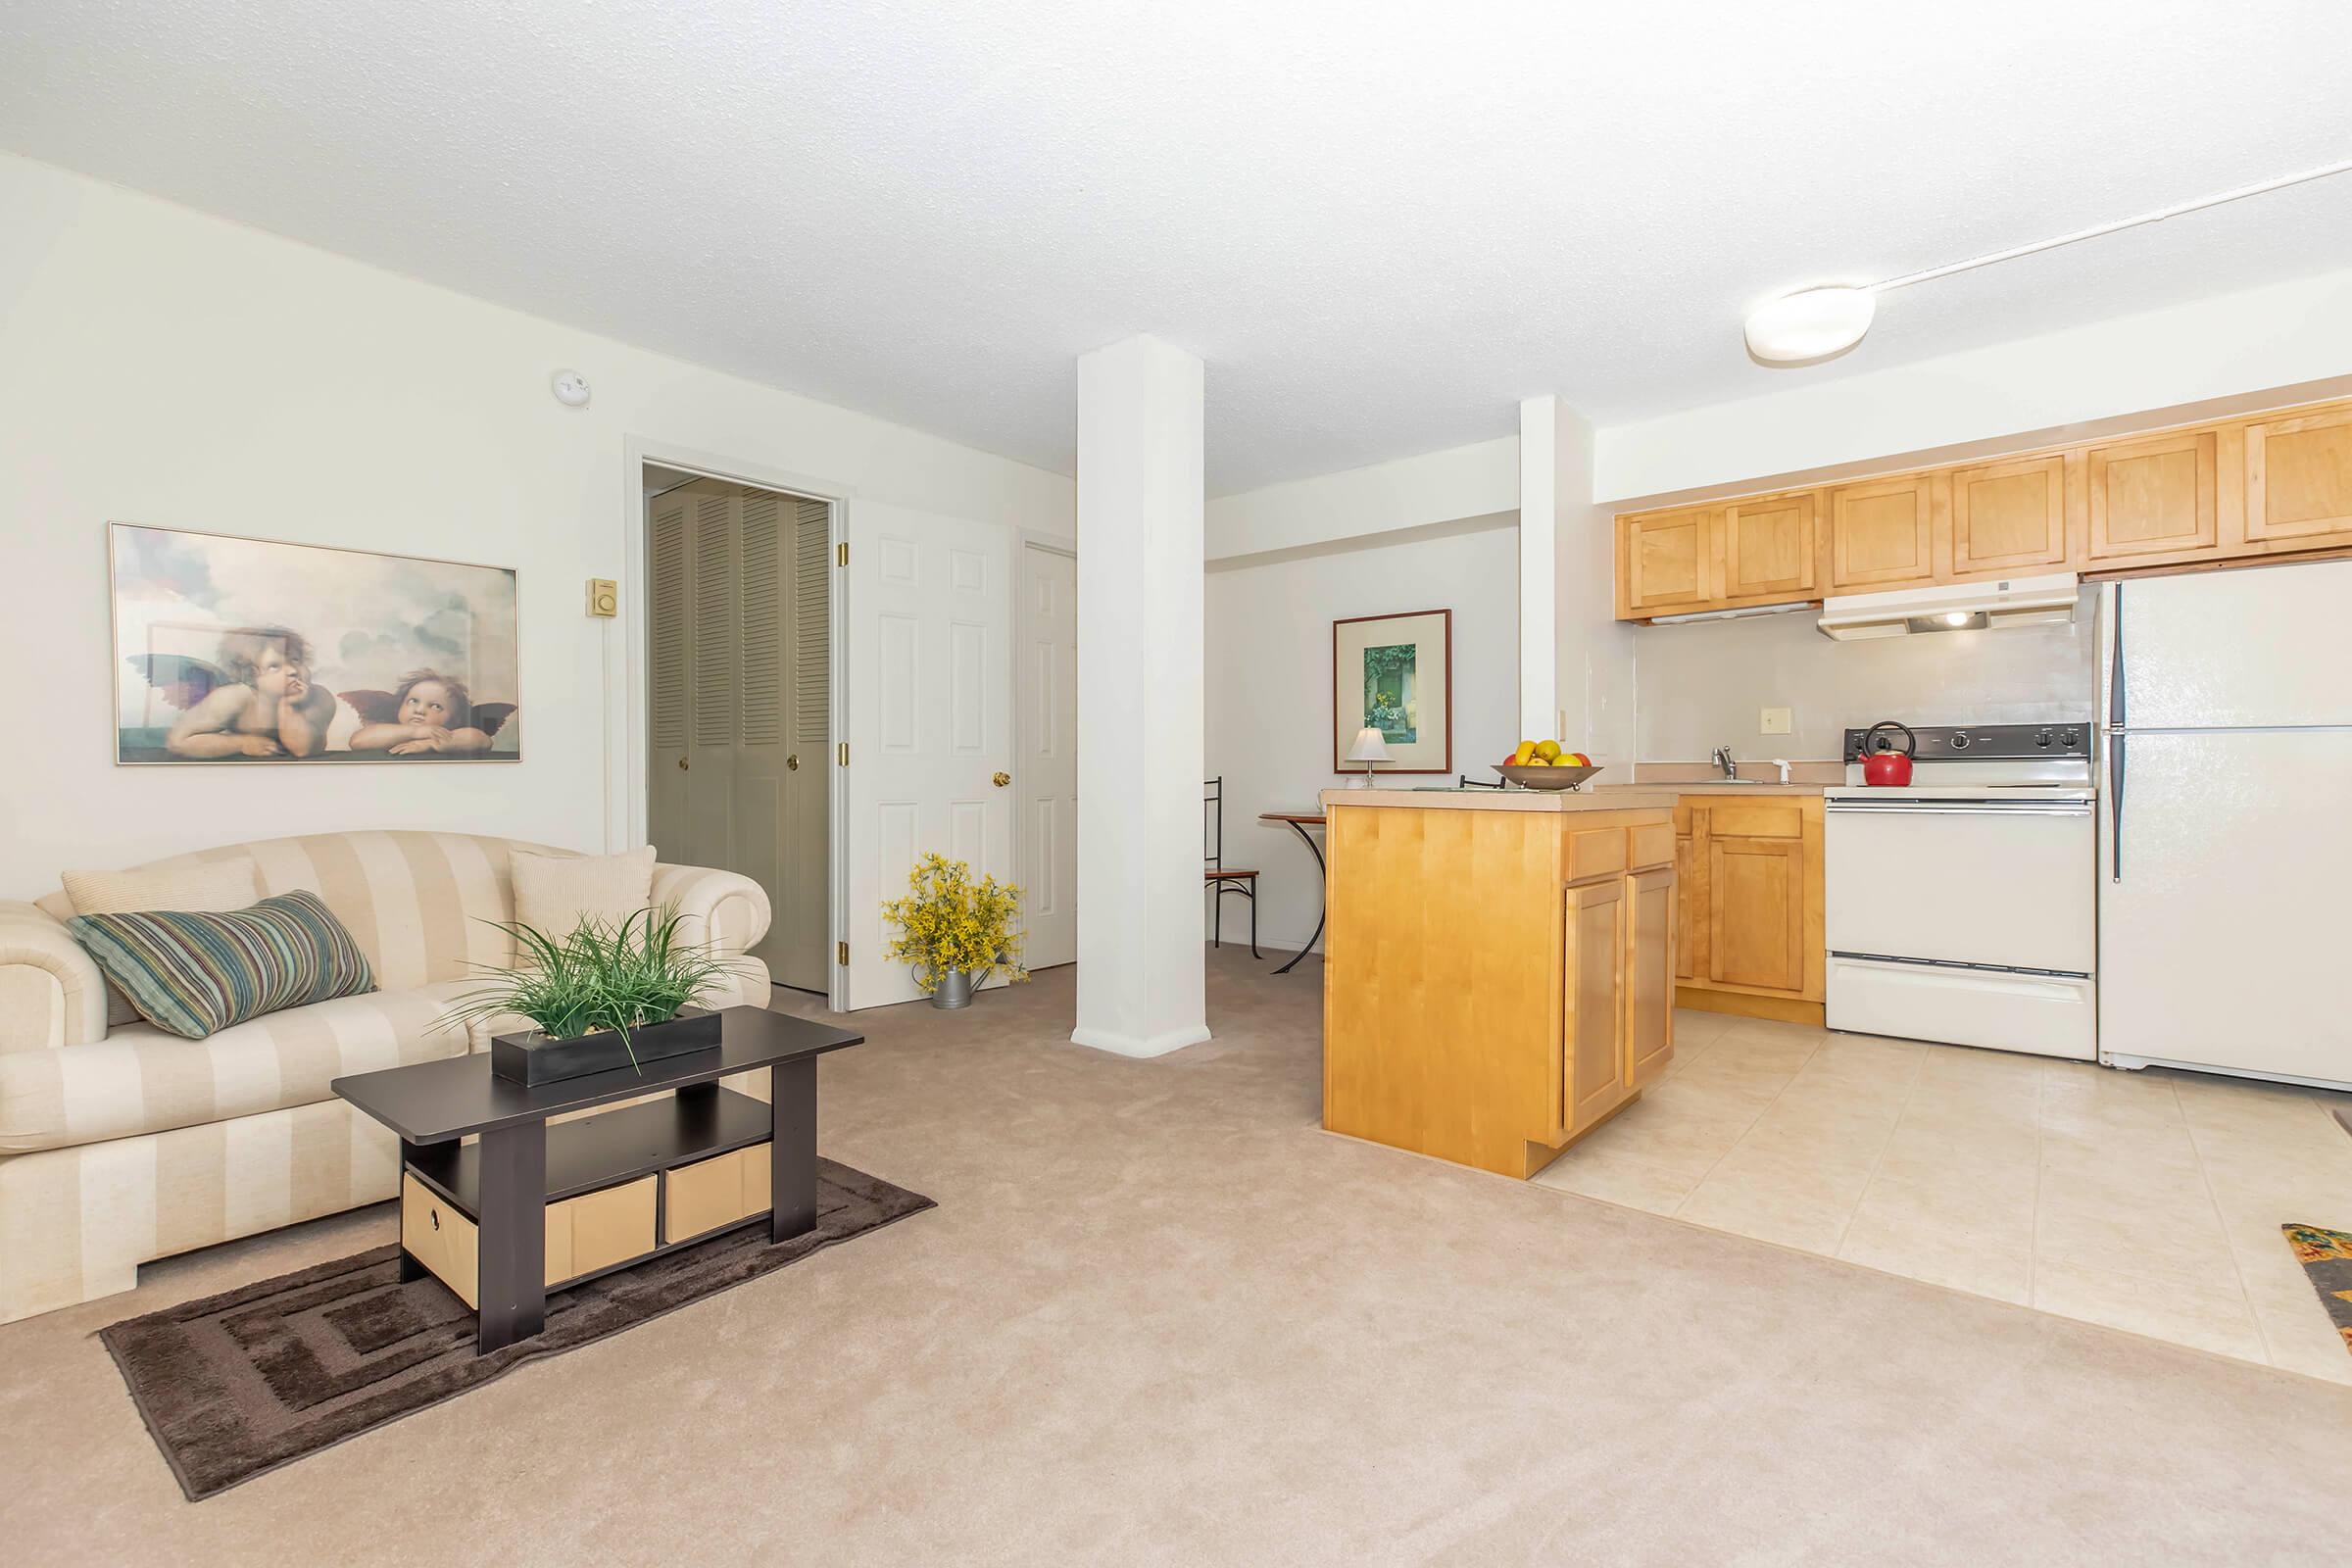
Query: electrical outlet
{"type": "Point", "coordinates": [1775, 721]}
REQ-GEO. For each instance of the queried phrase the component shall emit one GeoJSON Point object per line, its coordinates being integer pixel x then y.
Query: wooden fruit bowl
{"type": "Point", "coordinates": [1546, 778]}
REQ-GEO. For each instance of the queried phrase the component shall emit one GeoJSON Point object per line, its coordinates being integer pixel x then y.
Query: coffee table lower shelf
{"type": "Point", "coordinates": [527, 1209]}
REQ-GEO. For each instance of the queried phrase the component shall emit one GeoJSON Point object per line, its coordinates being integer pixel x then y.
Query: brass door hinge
{"type": "Point", "coordinates": [841, 554]}
{"type": "Point", "coordinates": [845, 754]}
{"type": "Point", "coordinates": [842, 955]}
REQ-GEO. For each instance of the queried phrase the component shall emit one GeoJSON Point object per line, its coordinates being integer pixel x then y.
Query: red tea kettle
{"type": "Point", "coordinates": [1880, 763]}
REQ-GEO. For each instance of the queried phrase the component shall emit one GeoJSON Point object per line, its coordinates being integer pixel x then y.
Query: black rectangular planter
{"type": "Point", "coordinates": [533, 1058]}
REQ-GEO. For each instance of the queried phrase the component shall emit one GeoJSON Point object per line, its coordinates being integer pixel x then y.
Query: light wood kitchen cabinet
{"type": "Point", "coordinates": [1768, 546]}
{"type": "Point", "coordinates": [1689, 903]}
{"type": "Point", "coordinates": [1881, 533]}
{"type": "Point", "coordinates": [1649, 973]}
{"type": "Point", "coordinates": [1749, 911]}
{"type": "Point", "coordinates": [1669, 561]}
{"type": "Point", "coordinates": [1498, 970]}
{"type": "Point", "coordinates": [1757, 913]}
{"type": "Point", "coordinates": [2153, 497]}
{"type": "Point", "coordinates": [1598, 1067]}
{"type": "Point", "coordinates": [2299, 478]}
{"type": "Point", "coordinates": [2240, 490]}
{"type": "Point", "coordinates": [2009, 517]}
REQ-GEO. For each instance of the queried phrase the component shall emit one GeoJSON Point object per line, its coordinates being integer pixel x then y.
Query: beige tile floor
{"type": "Point", "coordinates": [2149, 1201]}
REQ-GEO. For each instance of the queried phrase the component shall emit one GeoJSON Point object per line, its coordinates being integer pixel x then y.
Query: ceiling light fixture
{"type": "Point", "coordinates": [1816, 322]}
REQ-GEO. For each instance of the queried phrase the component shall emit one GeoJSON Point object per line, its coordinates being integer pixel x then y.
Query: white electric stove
{"type": "Point", "coordinates": [1962, 907]}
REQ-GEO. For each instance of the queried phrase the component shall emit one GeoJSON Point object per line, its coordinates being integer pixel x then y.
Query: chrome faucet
{"type": "Point", "coordinates": [1722, 758]}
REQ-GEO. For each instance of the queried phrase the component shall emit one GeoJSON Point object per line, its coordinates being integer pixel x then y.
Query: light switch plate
{"type": "Point", "coordinates": [604, 598]}
{"type": "Point", "coordinates": [1775, 721]}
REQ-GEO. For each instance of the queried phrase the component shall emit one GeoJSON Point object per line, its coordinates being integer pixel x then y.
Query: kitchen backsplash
{"type": "Point", "coordinates": [1705, 684]}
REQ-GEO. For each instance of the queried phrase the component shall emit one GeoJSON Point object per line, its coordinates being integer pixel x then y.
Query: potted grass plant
{"type": "Point", "coordinates": [605, 997]}
{"type": "Point", "coordinates": [956, 932]}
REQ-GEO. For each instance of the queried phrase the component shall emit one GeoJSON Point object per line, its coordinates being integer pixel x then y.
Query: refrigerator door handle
{"type": "Point", "coordinates": [2115, 662]}
{"type": "Point", "coordinates": [2115, 741]}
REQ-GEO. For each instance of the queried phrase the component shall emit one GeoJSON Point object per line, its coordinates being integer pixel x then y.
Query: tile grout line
{"type": "Point", "coordinates": [1750, 1128]}
{"type": "Point", "coordinates": [2229, 1236]}
{"type": "Point", "coordinates": [1919, 1070]}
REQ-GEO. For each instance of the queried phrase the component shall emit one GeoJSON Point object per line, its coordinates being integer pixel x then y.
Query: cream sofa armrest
{"type": "Point", "coordinates": [51, 992]}
{"type": "Point", "coordinates": [724, 910]}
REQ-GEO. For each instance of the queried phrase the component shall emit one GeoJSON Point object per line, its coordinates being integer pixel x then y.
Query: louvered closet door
{"type": "Point", "coordinates": [711, 731]}
{"type": "Point", "coordinates": [741, 705]}
{"type": "Point", "coordinates": [805, 904]}
{"type": "Point", "coordinates": [762, 852]}
{"type": "Point", "coordinates": [669, 708]}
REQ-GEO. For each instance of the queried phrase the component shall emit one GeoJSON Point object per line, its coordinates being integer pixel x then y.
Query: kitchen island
{"type": "Point", "coordinates": [1498, 967]}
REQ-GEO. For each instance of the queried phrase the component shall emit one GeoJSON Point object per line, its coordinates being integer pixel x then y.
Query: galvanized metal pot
{"type": "Point", "coordinates": [951, 987]}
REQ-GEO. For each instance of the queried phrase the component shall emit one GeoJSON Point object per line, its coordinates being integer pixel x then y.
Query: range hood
{"type": "Point", "coordinates": [1952, 606]}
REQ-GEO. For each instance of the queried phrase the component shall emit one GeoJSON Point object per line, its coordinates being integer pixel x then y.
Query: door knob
{"type": "Point", "coordinates": [1002, 779]}
{"type": "Point", "coordinates": [792, 763]}
{"type": "Point", "coordinates": [681, 765]}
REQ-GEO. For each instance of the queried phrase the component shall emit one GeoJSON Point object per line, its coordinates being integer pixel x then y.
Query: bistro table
{"type": "Point", "coordinates": [1298, 823]}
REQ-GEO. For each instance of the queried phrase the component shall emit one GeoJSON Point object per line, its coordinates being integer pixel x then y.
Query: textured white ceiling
{"type": "Point", "coordinates": [1380, 225]}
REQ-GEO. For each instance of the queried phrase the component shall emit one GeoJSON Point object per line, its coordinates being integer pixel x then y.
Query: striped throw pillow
{"type": "Point", "coordinates": [192, 973]}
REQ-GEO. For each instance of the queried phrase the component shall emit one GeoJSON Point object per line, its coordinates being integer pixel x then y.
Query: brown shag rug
{"type": "Point", "coordinates": [241, 1383]}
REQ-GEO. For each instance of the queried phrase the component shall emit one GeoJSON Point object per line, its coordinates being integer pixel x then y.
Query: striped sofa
{"type": "Point", "coordinates": [123, 1144]}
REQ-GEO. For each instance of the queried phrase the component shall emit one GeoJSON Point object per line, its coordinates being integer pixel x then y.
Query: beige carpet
{"type": "Point", "coordinates": [1159, 1318]}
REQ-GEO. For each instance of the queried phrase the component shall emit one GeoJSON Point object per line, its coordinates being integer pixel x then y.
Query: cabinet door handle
{"type": "Point", "coordinates": [681, 765]}
{"type": "Point", "coordinates": [792, 763]}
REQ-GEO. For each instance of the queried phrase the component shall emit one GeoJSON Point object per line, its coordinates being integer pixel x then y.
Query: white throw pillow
{"type": "Point", "coordinates": [554, 893]}
{"type": "Point", "coordinates": [209, 886]}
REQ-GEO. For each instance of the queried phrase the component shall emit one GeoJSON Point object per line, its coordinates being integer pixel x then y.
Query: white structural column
{"type": "Point", "coordinates": [1575, 659]}
{"type": "Point", "coordinates": [1140, 725]}
{"type": "Point", "coordinates": [1539, 512]}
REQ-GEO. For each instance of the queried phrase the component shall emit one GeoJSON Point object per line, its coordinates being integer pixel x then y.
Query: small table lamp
{"type": "Point", "coordinates": [1369, 748]}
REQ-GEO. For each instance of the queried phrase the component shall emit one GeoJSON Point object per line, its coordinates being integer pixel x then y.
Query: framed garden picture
{"type": "Point", "coordinates": [230, 650]}
{"type": "Point", "coordinates": [1395, 673]}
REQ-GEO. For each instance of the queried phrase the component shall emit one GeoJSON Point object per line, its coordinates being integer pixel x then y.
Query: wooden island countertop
{"type": "Point", "coordinates": [1498, 966]}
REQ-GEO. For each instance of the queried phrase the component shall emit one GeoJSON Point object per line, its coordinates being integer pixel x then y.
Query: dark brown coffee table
{"type": "Point", "coordinates": [527, 1207]}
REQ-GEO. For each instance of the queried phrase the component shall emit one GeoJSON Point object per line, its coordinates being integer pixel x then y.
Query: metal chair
{"type": "Point", "coordinates": [1216, 874]}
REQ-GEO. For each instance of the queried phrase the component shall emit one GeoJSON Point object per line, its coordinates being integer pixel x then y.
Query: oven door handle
{"type": "Point", "coordinates": [1959, 808]}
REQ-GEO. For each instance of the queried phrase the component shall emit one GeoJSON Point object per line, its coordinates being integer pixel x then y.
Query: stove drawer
{"type": "Point", "coordinates": [1963, 883]}
{"type": "Point", "coordinates": [2047, 1015]}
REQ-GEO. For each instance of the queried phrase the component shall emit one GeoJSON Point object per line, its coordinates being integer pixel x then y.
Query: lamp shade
{"type": "Point", "coordinates": [1369, 747]}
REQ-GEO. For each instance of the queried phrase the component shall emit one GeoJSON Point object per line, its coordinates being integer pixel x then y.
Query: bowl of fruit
{"type": "Point", "coordinates": [1544, 766]}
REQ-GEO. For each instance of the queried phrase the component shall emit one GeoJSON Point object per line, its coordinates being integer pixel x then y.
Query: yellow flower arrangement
{"type": "Point", "coordinates": [947, 922]}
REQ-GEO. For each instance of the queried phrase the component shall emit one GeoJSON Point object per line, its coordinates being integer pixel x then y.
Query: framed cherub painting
{"type": "Point", "coordinates": [232, 650]}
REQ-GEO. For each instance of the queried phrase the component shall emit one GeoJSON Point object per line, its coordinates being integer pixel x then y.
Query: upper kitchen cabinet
{"type": "Point", "coordinates": [1768, 546]}
{"type": "Point", "coordinates": [2299, 479]}
{"type": "Point", "coordinates": [1881, 533]}
{"type": "Point", "coordinates": [1669, 561]}
{"type": "Point", "coordinates": [2249, 488]}
{"type": "Point", "coordinates": [2154, 496]}
{"type": "Point", "coordinates": [2009, 517]}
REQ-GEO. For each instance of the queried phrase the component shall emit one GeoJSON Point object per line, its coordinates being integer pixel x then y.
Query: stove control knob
{"type": "Point", "coordinates": [1959, 740]}
{"type": "Point", "coordinates": [2041, 737]}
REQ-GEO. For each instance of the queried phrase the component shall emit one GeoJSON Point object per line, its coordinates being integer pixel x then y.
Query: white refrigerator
{"type": "Point", "coordinates": [2225, 868]}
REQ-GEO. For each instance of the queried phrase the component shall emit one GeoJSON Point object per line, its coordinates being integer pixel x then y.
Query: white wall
{"type": "Point", "coordinates": [162, 367]}
{"type": "Point", "coordinates": [1269, 690]}
{"type": "Point", "coordinates": [1409, 494]}
{"type": "Point", "coordinates": [2283, 336]}
{"type": "Point", "coordinates": [1586, 661]}
{"type": "Point", "coordinates": [1704, 684]}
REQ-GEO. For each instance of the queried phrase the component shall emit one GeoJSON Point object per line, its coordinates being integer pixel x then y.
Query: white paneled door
{"type": "Point", "coordinates": [930, 715]}
{"type": "Point", "coordinates": [1046, 777]}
